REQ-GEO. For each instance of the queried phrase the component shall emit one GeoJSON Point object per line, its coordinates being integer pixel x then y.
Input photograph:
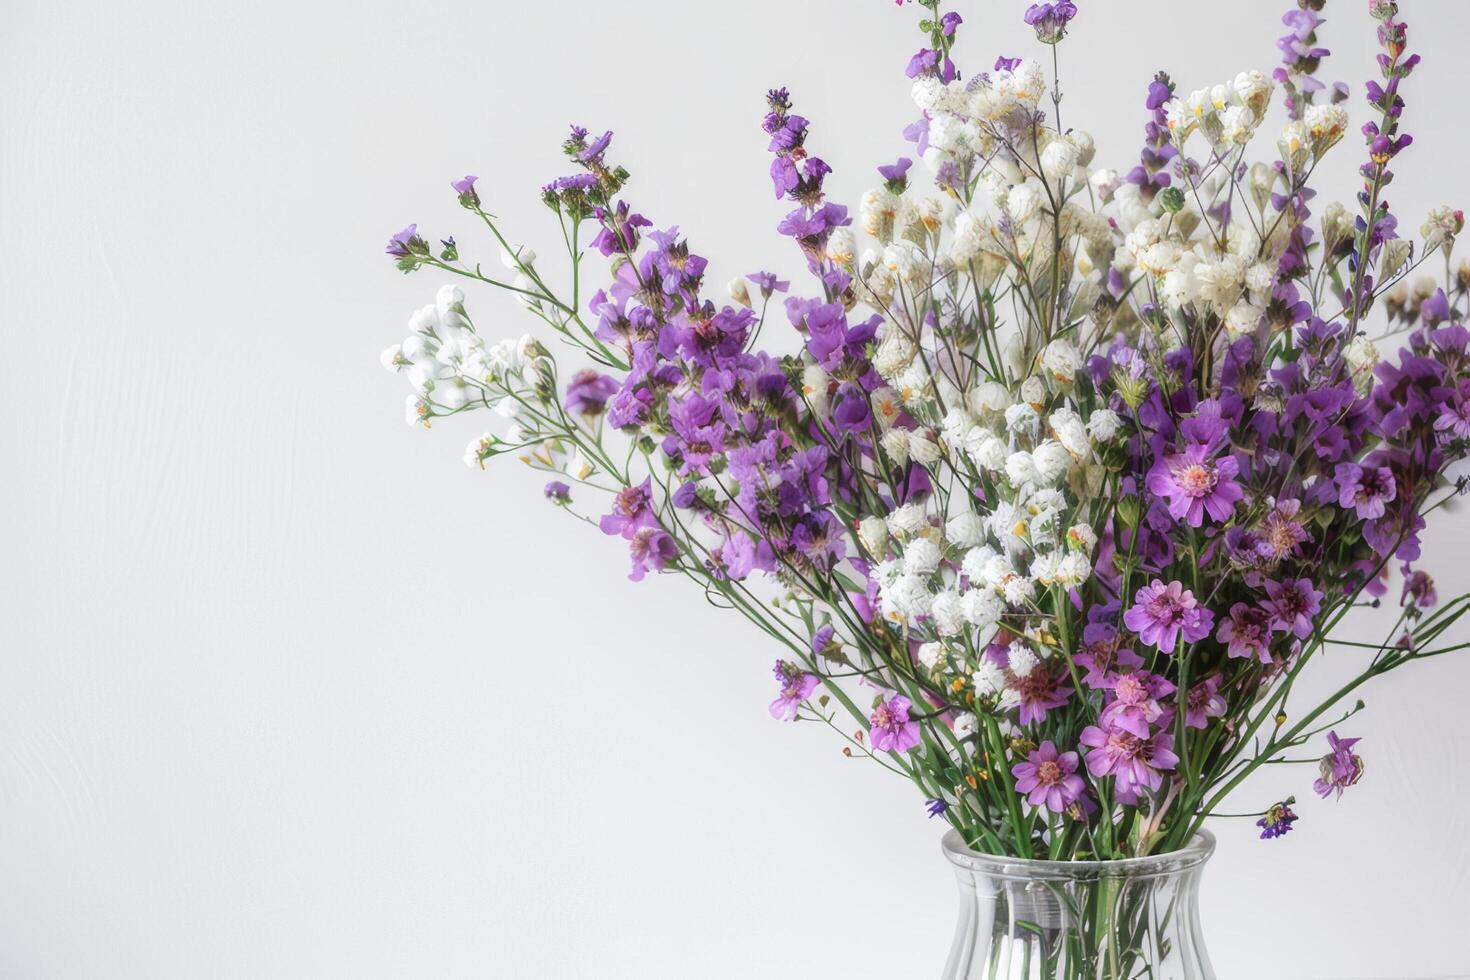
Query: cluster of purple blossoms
{"type": "Point", "coordinates": [998, 531]}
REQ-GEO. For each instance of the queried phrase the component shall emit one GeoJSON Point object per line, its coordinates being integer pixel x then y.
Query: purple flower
{"type": "Point", "coordinates": [1103, 658]}
{"type": "Point", "coordinates": [896, 173]}
{"type": "Point", "coordinates": [651, 549]}
{"type": "Point", "coordinates": [935, 807]}
{"type": "Point", "coordinates": [1135, 763]}
{"type": "Point", "coordinates": [1247, 633]}
{"type": "Point", "coordinates": [1418, 588]}
{"type": "Point", "coordinates": [1161, 613]}
{"type": "Point", "coordinates": [1283, 535]}
{"type": "Point", "coordinates": [407, 242]}
{"type": "Point", "coordinates": [768, 283]}
{"type": "Point", "coordinates": [890, 729]}
{"type": "Point", "coordinates": [1135, 706]}
{"type": "Point", "coordinates": [1366, 489]}
{"type": "Point", "coordinates": [1050, 20]}
{"type": "Point", "coordinates": [632, 510]}
{"type": "Point", "coordinates": [1049, 779]}
{"type": "Point", "coordinates": [1195, 484]}
{"type": "Point", "coordinates": [558, 493]}
{"type": "Point", "coordinates": [465, 188]}
{"type": "Point", "coordinates": [1340, 767]}
{"type": "Point", "coordinates": [796, 686]}
{"type": "Point", "coordinates": [1278, 820]}
{"type": "Point", "coordinates": [588, 392]}
{"type": "Point", "coordinates": [1044, 688]}
{"type": "Point", "coordinates": [1204, 702]}
{"type": "Point", "coordinates": [1291, 605]}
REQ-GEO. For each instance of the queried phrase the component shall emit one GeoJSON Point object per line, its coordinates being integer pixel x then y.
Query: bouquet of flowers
{"type": "Point", "coordinates": [1075, 469]}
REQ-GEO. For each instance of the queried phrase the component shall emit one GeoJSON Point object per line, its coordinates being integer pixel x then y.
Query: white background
{"type": "Point", "coordinates": [287, 691]}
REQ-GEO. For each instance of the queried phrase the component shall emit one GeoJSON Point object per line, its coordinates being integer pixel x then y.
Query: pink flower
{"type": "Point", "coordinates": [796, 687]}
{"type": "Point", "coordinates": [1292, 604]}
{"type": "Point", "coordinates": [1043, 689]}
{"type": "Point", "coordinates": [1204, 703]}
{"type": "Point", "coordinates": [1247, 633]}
{"type": "Point", "coordinates": [1048, 778]}
{"type": "Point", "coordinates": [1367, 489]}
{"type": "Point", "coordinates": [1161, 614]}
{"type": "Point", "coordinates": [890, 729]}
{"type": "Point", "coordinates": [1195, 484]}
{"type": "Point", "coordinates": [1135, 763]}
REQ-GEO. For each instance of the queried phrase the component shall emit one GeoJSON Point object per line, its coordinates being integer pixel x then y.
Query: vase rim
{"type": "Point", "coordinates": [1193, 854]}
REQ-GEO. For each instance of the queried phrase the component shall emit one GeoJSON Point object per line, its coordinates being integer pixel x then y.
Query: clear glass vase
{"type": "Point", "coordinates": [1134, 919]}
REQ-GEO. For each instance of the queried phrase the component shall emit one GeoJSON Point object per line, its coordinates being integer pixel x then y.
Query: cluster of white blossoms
{"type": "Point", "coordinates": [1228, 114]}
{"type": "Point", "coordinates": [451, 369]}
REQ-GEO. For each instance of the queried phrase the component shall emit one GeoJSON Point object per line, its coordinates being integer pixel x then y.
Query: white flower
{"type": "Point", "coordinates": [842, 246]}
{"type": "Point", "coordinates": [956, 424]}
{"type": "Point", "coordinates": [525, 256]}
{"type": "Point", "coordinates": [1020, 468]}
{"type": "Point", "coordinates": [1105, 183]}
{"type": "Point", "coordinates": [1103, 424]}
{"type": "Point", "coordinates": [998, 570]}
{"type": "Point", "coordinates": [1021, 659]}
{"type": "Point", "coordinates": [907, 519]}
{"type": "Point", "coordinates": [930, 653]}
{"type": "Point", "coordinates": [1325, 124]}
{"type": "Point", "coordinates": [878, 209]}
{"type": "Point", "coordinates": [1022, 419]}
{"type": "Point", "coordinates": [922, 447]}
{"type": "Point", "coordinates": [873, 535]}
{"type": "Point", "coordinates": [965, 725]}
{"type": "Point", "coordinates": [988, 679]}
{"type": "Point", "coordinates": [921, 556]}
{"type": "Point", "coordinates": [417, 411]}
{"type": "Point", "coordinates": [739, 291]}
{"type": "Point", "coordinates": [1082, 537]}
{"type": "Point", "coordinates": [1051, 461]}
{"type": "Point", "coordinates": [1059, 159]}
{"type": "Point", "coordinates": [948, 613]}
{"type": "Point", "coordinates": [1242, 319]}
{"type": "Point", "coordinates": [1441, 227]}
{"type": "Point", "coordinates": [894, 354]}
{"type": "Point", "coordinates": [887, 406]}
{"type": "Point", "coordinates": [1220, 282]}
{"type": "Point", "coordinates": [905, 600]}
{"type": "Point", "coordinates": [895, 444]}
{"type": "Point", "coordinates": [988, 398]}
{"type": "Point", "coordinates": [1033, 391]}
{"type": "Point", "coordinates": [1071, 433]}
{"type": "Point", "coordinates": [393, 359]}
{"type": "Point", "coordinates": [1044, 568]}
{"type": "Point", "coordinates": [1019, 590]}
{"type": "Point", "coordinates": [965, 530]}
{"type": "Point", "coordinates": [1074, 569]}
{"type": "Point", "coordinates": [975, 562]}
{"type": "Point", "coordinates": [447, 299]}
{"type": "Point", "coordinates": [478, 451]}
{"type": "Point", "coordinates": [1061, 360]}
{"type": "Point", "coordinates": [982, 607]}
{"type": "Point", "coordinates": [814, 386]}
{"type": "Point", "coordinates": [1362, 355]}
{"type": "Point", "coordinates": [1261, 278]}
{"type": "Point", "coordinates": [988, 452]}
{"type": "Point", "coordinates": [1022, 204]}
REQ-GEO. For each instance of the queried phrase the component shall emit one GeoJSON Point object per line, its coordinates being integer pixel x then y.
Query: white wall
{"type": "Point", "coordinates": [286, 691]}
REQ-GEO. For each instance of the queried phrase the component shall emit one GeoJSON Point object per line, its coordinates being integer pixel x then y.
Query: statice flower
{"type": "Point", "coordinates": [796, 686]}
{"type": "Point", "coordinates": [1277, 820]}
{"type": "Point", "coordinates": [1050, 20]}
{"type": "Point", "coordinates": [1048, 778]}
{"type": "Point", "coordinates": [1340, 768]}
{"type": "Point", "coordinates": [1365, 489]}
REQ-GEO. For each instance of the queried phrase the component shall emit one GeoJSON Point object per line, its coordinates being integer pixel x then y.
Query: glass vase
{"type": "Point", "coordinates": [1133, 919]}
